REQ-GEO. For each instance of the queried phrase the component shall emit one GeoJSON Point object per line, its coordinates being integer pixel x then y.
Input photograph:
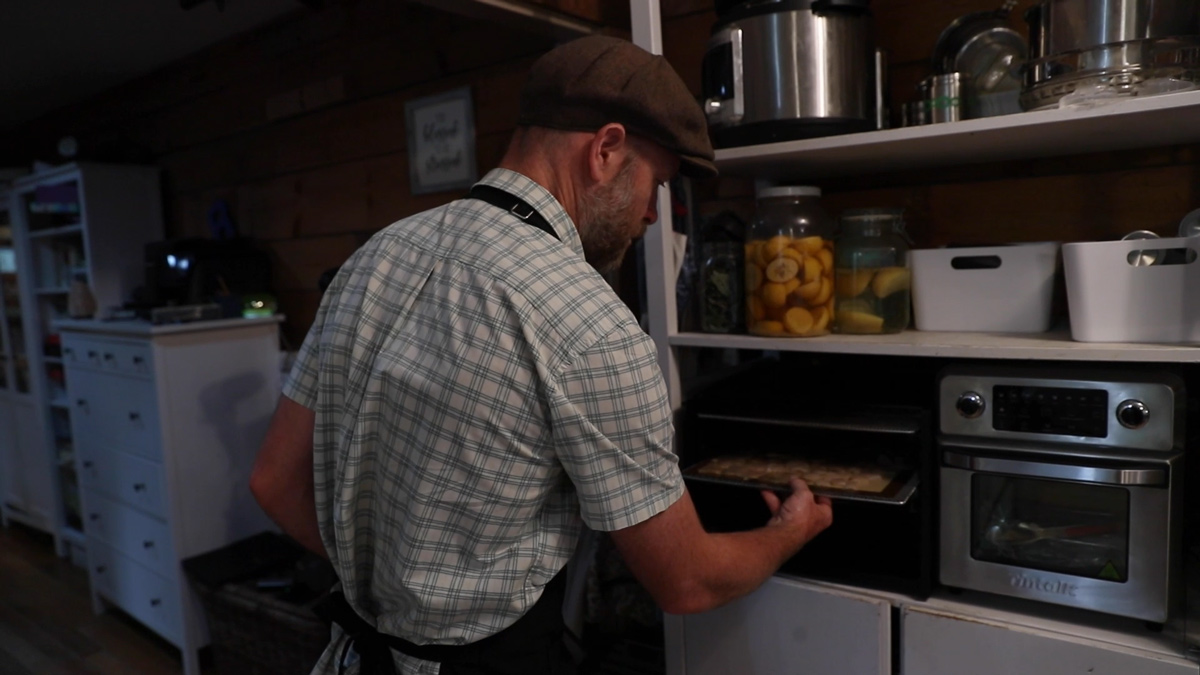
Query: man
{"type": "Point", "coordinates": [472, 393]}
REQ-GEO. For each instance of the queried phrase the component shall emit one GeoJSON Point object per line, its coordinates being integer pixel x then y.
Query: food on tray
{"type": "Point", "coordinates": [778, 470]}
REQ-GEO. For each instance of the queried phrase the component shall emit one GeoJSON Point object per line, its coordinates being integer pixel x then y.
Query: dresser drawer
{"type": "Point", "coordinates": [123, 477]}
{"type": "Point", "coordinates": [142, 538]}
{"type": "Point", "coordinates": [132, 359]}
{"type": "Point", "coordinates": [149, 597]}
{"type": "Point", "coordinates": [115, 412]}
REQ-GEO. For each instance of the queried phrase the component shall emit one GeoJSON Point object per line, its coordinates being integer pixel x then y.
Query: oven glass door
{"type": "Point", "coordinates": [1079, 529]}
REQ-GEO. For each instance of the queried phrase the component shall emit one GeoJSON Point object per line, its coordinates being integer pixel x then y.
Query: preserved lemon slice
{"type": "Point", "coordinates": [782, 269]}
{"type": "Point", "coordinates": [773, 247]}
{"type": "Point", "coordinates": [809, 291]}
{"type": "Point", "coordinates": [809, 245]}
{"type": "Point", "coordinates": [820, 319]}
{"type": "Point", "coordinates": [826, 292]}
{"type": "Point", "coordinates": [851, 283]}
{"type": "Point", "coordinates": [813, 269]}
{"type": "Point", "coordinates": [859, 322]}
{"type": "Point", "coordinates": [857, 305]}
{"type": "Point", "coordinates": [774, 294]}
{"type": "Point", "coordinates": [798, 320]}
{"type": "Point", "coordinates": [754, 277]}
{"type": "Point", "coordinates": [826, 258]}
{"type": "Point", "coordinates": [890, 280]}
{"type": "Point", "coordinates": [792, 253]}
{"type": "Point", "coordinates": [791, 285]}
{"type": "Point", "coordinates": [768, 328]}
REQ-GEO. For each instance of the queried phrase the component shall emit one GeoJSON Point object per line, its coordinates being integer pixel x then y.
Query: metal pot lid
{"type": "Point", "coordinates": [985, 48]}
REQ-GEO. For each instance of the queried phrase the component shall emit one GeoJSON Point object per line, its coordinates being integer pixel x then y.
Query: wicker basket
{"type": "Point", "coordinates": [254, 633]}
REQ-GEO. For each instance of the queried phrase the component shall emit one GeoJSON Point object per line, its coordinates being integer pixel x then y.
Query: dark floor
{"type": "Point", "coordinates": [47, 626]}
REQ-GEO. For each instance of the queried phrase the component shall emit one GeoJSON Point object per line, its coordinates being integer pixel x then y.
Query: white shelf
{"type": "Point", "coordinates": [1168, 119]}
{"type": "Point", "coordinates": [1053, 346]}
{"type": "Point", "coordinates": [56, 231]}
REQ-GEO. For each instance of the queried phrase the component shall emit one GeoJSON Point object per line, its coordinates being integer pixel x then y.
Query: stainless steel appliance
{"type": "Point", "coordinates": [785, 69]}
{"type": "Point", "coordinates": [1112, 44]}
{"type": "Point", "coordinates": [1064, 486]}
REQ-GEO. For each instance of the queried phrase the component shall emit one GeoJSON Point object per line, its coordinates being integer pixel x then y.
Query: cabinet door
{"type": "Point", "coordinates": [942, 643]}
{"type": "Point", "coordinates": [25, 473]}
{"type": "Point", "coordinates": [789, 627]}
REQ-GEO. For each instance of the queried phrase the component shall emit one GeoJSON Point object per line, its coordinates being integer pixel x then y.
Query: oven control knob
{"type": "Point", "coordinates": [1133, 414]}
{"type": "Point", "coordinates": [969, 405]}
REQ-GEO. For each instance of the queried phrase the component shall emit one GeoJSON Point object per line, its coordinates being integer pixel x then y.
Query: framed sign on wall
{"type": "Point", "coordinates": [441, 142]}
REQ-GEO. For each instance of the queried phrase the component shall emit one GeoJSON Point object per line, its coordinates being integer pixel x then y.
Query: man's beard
{"type": "Point", "coordinates": [604, 221]}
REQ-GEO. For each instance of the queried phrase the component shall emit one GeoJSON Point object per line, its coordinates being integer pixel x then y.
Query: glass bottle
{"type": "Point", "coordinates": [872, 273]}
{"type": "Point", "coordinates": [789, 264]}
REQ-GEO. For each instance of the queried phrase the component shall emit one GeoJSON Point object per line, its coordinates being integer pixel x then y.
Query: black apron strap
{"type": "Point", "coordinates": [541, 625]}
{"type": "Point", "coordinates": [513, 204]}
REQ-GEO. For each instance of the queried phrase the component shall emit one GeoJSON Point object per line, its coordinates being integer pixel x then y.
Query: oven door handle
{"type": "Point", "coordinates": [1081, 474]}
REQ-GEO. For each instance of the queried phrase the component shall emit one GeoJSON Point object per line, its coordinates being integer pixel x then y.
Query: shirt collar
{"type": "Point", "coordinates": [520, 185]}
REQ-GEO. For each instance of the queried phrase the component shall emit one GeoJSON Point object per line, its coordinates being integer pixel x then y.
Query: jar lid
{"type": "Point", "coordinates": [789, 191]}
{"type": "Point", "coordinates": [873, 214]}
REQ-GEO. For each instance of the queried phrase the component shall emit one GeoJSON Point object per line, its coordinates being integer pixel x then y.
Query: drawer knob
{"type": "Point", "coordinates": [81, 402]}
{"type": "Point", "coordinates": [155, 602]}
{"type": "Point", "coordinates": [94, 517]}
{"type": "Point", "coordinates": [108, 356]}
{"type": "Point", "coordinates": [87, 463]}
{"type": "Point", "coordinates": [69, 352]}
{"type": "Point", "coordinates": [147, 544]}
{"type": "Point", "coordinates": [139, 487]}
{"type": "Point", "coordinates": [91, 353]}
{"type": "Point", "coordinates": [101, 569]}
{"type": "Point", "coordinates": [135, 416]}
{"type": "Point", "coordinates": [137, 360]}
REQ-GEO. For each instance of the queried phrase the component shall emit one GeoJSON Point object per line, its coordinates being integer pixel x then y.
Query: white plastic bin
{"type": "Point", "coordinates": [1114, 295]}
{"type": "Point", "coordinates": [993, 289]}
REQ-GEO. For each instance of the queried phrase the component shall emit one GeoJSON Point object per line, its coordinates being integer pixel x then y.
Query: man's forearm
{"type": "Point", "coordinates": [296, 514]}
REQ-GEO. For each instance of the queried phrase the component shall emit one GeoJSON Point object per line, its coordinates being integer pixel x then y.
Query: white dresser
{"type": "Point", "coordinates": [167, 422]}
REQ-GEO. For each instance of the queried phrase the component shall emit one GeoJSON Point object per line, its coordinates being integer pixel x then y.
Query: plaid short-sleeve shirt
{"type": "Point", "coordinates": [480, 393]}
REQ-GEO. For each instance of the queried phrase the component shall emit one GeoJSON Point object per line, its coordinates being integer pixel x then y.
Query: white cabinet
{"type": "Point", "coordinates": [26, 488]}
{"type": "Point", "coordinates": [83, 223]}
{"type": "Point", "coordinates": [790, 627]}
{"type": "Point", "coordinates": [937, 642]}
{"type": "Point", "coordinates": [167, 421]}
{"type": "Point", "coordinates": [26, 493]}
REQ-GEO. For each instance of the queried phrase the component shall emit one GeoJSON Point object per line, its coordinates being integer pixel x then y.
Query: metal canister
{"type": "Point", "coordinates": [946, 96]}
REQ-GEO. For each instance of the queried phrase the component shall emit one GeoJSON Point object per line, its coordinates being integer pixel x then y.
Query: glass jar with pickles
{"type": "Point", "coordinates": [872, 274]}
{"type": "Point", "coordinates": [789, 264]}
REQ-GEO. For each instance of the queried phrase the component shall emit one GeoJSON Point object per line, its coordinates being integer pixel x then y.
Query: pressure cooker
{"type": "Point", "coordinates": [779, 70]}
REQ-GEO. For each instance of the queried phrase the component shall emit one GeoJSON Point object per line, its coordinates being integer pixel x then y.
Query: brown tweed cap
{"type": "Point", "coordinates": [592, 81]}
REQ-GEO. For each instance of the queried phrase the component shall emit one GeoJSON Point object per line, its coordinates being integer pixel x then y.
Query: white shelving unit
{"type": "Point", "coordinates": [26, 489]}
{"type": "Point", "coordinates": [1155, 121]}
{"type": "Point", "coordinates": [1130, 124]}
{"type": "Point", "coordinates": [81, 220]}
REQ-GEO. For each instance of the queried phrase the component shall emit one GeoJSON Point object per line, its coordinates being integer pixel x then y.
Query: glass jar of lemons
{"type": "Point", "coordinates": [872, 274]}
{"type": "Point", "coordinates": [789, 264]}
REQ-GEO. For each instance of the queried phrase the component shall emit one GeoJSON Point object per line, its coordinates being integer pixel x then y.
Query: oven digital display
{"type": "Point", "coordinates": [1050, 410]}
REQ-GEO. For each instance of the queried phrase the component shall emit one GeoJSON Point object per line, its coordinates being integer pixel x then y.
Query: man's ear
{"type": "Point", "coordinates": [607, 151]}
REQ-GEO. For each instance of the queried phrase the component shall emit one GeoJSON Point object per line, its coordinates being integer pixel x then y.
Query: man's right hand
{"type": "Point", "coordinates": [802, 512]}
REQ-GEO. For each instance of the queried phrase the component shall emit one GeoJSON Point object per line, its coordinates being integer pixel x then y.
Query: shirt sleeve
{"type": "Point", "coordinates": [301, 384]}
{"type": "Point", "coordinates": [613, 432]}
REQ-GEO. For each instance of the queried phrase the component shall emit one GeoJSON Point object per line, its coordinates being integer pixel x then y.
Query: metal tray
{"type": "Point", "coordinates": [897, 493]}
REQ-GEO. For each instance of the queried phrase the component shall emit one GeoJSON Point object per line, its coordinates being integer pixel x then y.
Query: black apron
{"type": "Point", "coordinates": [534, 645]}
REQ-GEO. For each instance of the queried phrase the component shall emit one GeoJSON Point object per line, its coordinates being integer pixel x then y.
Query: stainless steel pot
{"type": "Point", "coordinates": [1061, 26]}
{"type": "Point", "coordinates": [1114, 45]}
{"type": "Point", "coordinates": [790, 69]}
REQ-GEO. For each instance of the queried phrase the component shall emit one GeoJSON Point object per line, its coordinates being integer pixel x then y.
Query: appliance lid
{"type": "Point", "coordinates": [730, 12]}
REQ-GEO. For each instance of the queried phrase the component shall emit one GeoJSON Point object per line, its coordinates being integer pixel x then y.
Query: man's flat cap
{"type": "Point", "coordinates": [592, 81]}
